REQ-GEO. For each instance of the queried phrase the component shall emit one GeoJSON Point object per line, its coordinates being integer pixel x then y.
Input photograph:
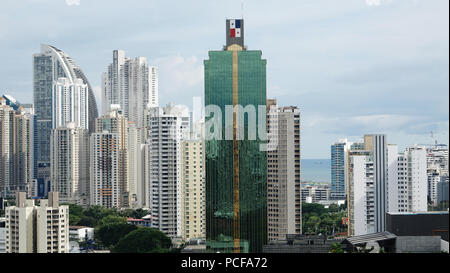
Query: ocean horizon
{"type": "Point", "coordinates": [316, 170]}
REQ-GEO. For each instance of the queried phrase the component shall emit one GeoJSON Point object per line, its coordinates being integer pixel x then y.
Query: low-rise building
{"type": "Point", "coordinates": [145, 221]}
{"type": "Point", "coordinates": [296, 243]}
{"type": "Point", "coordinates": [2, 235]}
{"type": "Point", "coordinates": [37, 229]}
{"type": "Point", "coordinates": [77, 235]}
{"type": "Point", "coordinates": [418, 224]}
{"type": "Point", "coordinates": [315, 194]}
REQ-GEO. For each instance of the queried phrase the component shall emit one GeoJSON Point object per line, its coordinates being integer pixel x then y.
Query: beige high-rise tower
{"type": "Point", "coordinates": [284, 208]}
{"type": "Point", "coordinates": [112, 130]}
{"type": "Point", "coordinates": [192, 189]}
{"type": "Point", "coordinates": [69, 156]}
{"type": "Point", "coordinates": [16, 139]}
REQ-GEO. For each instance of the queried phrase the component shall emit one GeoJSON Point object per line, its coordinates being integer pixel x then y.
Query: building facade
{"type": "Point", "coordinates": [136, 165]}
{"type": "Point", "coordinates": [132, 84]}
{"type": "Point", "coordinates": [163, 167]}
{"type": "Point", "coordinates": [48, 66]}
{"type": "Point", "coordinates": [16, 149]}
{"type": "Point", "coordinates": [437, 168]}
{"type": "Point", "coordinates": [339, 162]}
{"type": "Point", "coordinates": [368, 185]}
{"type": "Point", "coordinates": [104, 187]}
{"type": "Point", "coordinates": [37, 229]}
{"type": "Point", "coordinates": [236, 167]}
{"type": "Point", "coordinates": [412, 180]}
{"type": "Point", "coordinates": [361, 195]}
{"type": "Point", "coordinates": [69, 147]}
{"type": "Point", "coordinates": [192, 189]}
{"type": "Point", "coordinates": [284, 201]}
{"type": "Point", "coordinates": [113, 126]}
{"type": "Point", "coordinates": [315, 194]}
{"type": "Point", "coordinates": [70, 103]}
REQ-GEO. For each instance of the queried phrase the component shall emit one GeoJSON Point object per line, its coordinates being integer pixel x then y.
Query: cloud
{"type": "Point", "coordinates": [179, 76]}
{"type": "Point", "coordinates": [382, 123]}
{"type": "Point", "coordinates": [73, 2]}
{"type": "Point", "coordinates": [373, 2]}
{"type": "Point", "coordinates": [333, 59]}
{"type": "Point", "coordinates": [377, 2]}
{"type": "Point", "coordinates": [183, 71]}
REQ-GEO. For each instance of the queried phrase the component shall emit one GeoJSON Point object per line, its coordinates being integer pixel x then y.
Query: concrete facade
{"type": "Point", "coordinates": [283, 172]}
{"type": "Point", "coordinates": [37, 229]}
{"type": "Point", "coordinates": [418, 244]}
{"type": "Point", "coordinates": [192, 189]}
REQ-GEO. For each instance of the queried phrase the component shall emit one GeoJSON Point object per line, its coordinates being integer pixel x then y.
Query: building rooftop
{"type": "Point", "coordinates": [418, 213]}
{"type": "Point", "coordinates": [362, 239]}
{"type": "Point", "coordinates": [77, 227]}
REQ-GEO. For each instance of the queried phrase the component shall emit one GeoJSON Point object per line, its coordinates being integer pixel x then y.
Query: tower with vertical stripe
{"type": "Point", "coordinates": [236, 189]}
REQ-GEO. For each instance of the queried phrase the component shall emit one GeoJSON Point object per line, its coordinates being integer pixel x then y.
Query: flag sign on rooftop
{"type": "Point", "coordinates": [235, 28]}
{"type": "Point", "coordinates": [235, 32]}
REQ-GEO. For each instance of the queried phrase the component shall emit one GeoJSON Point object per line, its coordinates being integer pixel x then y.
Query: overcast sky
{"type": "Point", "coordinates": [351, 66]}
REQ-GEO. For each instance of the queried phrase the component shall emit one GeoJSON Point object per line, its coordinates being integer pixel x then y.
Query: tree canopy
{"type": "Point", "coordinates": [318, 219]}
{"type": "Point", "coordinates": [143, 240]}
{"type": "Point", "coordinates": [110, 234]}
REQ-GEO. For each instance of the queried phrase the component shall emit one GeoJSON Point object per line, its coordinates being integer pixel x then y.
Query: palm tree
{"type": "Point", "coordinates": [336, 248]}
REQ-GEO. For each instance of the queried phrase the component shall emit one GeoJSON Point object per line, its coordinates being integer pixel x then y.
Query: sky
{"type": "Point", "coordinates": [353, 67]}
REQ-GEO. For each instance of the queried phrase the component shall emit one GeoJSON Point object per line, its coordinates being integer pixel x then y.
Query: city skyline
{"type": "Point", "coordinates": [329, 61]}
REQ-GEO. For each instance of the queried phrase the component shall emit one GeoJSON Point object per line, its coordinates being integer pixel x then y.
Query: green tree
{"type": "Point", "coordinates": [336, 248]}
{"type": "Point", "coordinates": [313, 208]}
{"type": "Point", "coordinates": [87, 221]}
{"type": "Point", "coordinates": [143, 240]}
{"type": "Point", "coordinates": [313, 223]}
{"type": "Point", "coordinates": [109, 234]}
{"type": "Point", "coordinates": [333, 208]}
{"type": "Point", "coordinates": [74, 220]}
{"type": "Point", "coordinates": [111, 219]}
{"type": "Point", "coordinates": [134, 213]}
{"type": "Point", "coordinates": [98, 212]}
{"type": "Point", "coordinates": [75, 214]}
{"type": "Point", "coordinates": [75, 210]}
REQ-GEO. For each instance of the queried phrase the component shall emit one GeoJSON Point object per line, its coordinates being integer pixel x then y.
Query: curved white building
{"type": "Point", "coordinates": [48, 66]}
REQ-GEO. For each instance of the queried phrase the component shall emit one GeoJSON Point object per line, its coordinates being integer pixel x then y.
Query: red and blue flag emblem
{"type": "Point", "coordinates": [235, 28]}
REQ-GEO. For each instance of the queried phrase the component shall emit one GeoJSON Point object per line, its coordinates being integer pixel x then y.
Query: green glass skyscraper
{"type": "Point", "coordinates": [236, 195]}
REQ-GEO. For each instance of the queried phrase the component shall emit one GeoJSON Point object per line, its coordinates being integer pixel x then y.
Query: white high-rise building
{"type": "Point", "coordinates": [37, 229]}
{"type": "Point", "coordinates": [284, 202]}
{"type": "Point", "coordinates": [69, 155]}
{"type": "Point", "coordinates": [48, 66]}
{"type": "Point", "coordinates": [112, 82]}
{"type": "Point", "coordinates": [437, 168]}
{"type": "Point", "coordinates": [361, 193]}
{"type": "Point", "coordinates": [404, 181]}
{"type": "Point", "coordinates": [132, 84]}
{"type": "Point", "coordinates": [2, 235]}
{"type": "Point", "coordinates": [394, 169]}
{"type": "Point", "coordinates": [166, 128]}
{"type": "Point", "coordinates": [70, 103]}
{"type": "Point", "coordinates": [368, 185]}
{"type": "Point", "coordinates": [153, 76]}
{"type": "Point", "coordinates": [136, 166]}
{"type": "Point", "coordinates": [412, 180]}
